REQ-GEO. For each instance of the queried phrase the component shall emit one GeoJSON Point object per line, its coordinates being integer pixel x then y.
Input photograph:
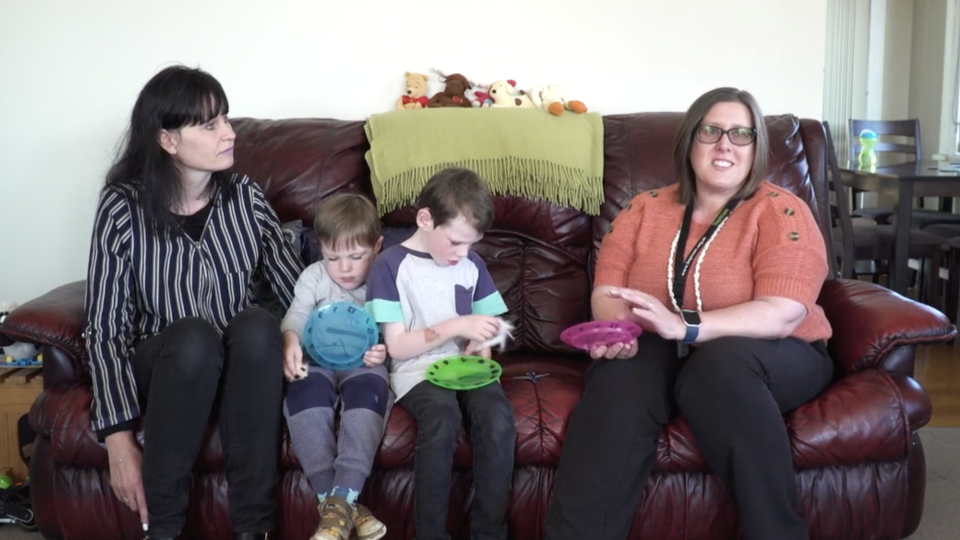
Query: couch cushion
{"type": "Point", "coordinates": [299, 162]}
{"type": "Point", "coordinates": [861, 418]}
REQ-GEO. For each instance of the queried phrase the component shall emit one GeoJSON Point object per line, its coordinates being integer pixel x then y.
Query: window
{"type": "Point", "coordinates": [955, 110]}
{"type": "Point", "coordinates": [956, 102]}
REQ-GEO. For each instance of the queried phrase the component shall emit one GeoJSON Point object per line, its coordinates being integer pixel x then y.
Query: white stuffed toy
{"type": "Point", "coordinates": [502, 94]}
{"type": "Point", "coordinates": [553, 98]}
{"type": "Point", "coordinates": [500, 340]}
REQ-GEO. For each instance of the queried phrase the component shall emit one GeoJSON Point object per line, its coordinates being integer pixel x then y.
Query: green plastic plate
{"type": "Point", "coordinates": [463, 372]}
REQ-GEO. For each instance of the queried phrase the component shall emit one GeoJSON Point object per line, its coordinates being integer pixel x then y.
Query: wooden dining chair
{"type": "Point", "coordinates": [907, 152]}
{"type": "Point", "coordinates": [872, 243]}
{"type": "Point", "coordinates": [950, 234]}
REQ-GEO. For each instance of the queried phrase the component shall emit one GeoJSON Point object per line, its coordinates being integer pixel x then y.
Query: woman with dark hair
{"type": "Point", "coordinates": [722, 271]}
{"type": "Point", "coordinates": [171, 323]}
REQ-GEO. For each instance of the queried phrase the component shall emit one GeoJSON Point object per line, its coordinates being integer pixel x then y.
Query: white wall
{"type": "Point", "coordinates": [70, 71]}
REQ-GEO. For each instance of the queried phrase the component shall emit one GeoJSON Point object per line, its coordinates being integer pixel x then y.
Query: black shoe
{"type": "Point", "coordinates": [251, 536]}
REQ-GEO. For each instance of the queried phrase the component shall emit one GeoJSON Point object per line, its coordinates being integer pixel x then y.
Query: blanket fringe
{"type": "Point", "coordinates": [534, 179]}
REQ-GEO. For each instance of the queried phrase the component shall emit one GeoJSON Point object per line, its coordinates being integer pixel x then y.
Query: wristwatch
{"type": "Point", "coordinates": [691, 319]}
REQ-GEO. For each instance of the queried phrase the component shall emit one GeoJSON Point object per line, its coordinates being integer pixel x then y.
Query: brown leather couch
{"type": "Point", "coordinates": [859, 462]}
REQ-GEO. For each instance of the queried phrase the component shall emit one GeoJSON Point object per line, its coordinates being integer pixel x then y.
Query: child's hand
{"type": "Point", "coordinates": [478, 328]}
{"type": "Point", "coordinates": [292, 356]}
{"type": "Point", "coordinates": [472, 348]}
{"type": "Point", "coordinates": [375, 356]}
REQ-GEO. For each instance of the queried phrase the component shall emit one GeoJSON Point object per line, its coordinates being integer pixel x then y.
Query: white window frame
{"type": "Point", "coordinates": [953, 112]}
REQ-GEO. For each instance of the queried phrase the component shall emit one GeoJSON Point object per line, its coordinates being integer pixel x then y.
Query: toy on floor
{"type": "Point", "coordinates": [415, 93]}
{"type": "Point", "coordinates": [19, 354]}
{"type": "Point", "coordinates": [15, 506]}
{"type": "Point", "coordinates": [23, 362]}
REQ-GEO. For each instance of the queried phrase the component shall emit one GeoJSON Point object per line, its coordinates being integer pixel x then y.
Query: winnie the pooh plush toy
{"type": "Point", "coordinates": [454, 92]}
{"type": "Point", "coordinates": [415, 96]}
{"type": "Point", "coordinates": [552, 98]}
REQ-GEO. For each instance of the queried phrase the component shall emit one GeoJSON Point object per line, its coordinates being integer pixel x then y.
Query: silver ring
{"type": "Point", "coordinates": [126, 500]}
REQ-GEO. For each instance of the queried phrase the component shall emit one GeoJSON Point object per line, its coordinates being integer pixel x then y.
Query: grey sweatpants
{"type": "Point", "coordinates": [364, 399]}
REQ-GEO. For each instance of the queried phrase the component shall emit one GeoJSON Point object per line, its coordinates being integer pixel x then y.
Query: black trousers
{"type": "Point", "coordinates": [733, 391]}
{"type": "Point", "coordinates": [186, 373]}
{"type": "Point", "coordinates": [439, 413]}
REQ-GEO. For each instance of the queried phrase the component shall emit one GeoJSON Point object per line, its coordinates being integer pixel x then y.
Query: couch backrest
{"type": "Point", "coordinates": [540, 255]}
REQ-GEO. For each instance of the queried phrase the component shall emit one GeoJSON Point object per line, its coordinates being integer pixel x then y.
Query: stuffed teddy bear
{"type": "Point", "coordinates": [415, 96]}
{"type": "Point", "coordinates": [551, 97]}
{"type": "Point", "coordinates": [454, 92]}
{"type": "Point", "coordinates": [503, 96]}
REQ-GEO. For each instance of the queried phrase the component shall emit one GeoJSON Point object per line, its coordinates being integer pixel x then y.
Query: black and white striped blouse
{"type": "Point", "coordinates": [138, 282]}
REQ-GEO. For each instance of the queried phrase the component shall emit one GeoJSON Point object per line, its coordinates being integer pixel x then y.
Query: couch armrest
{"type": "Point", "coordinates": [874, 327]}
{"type": "Point", "coordinates": [55, 322]}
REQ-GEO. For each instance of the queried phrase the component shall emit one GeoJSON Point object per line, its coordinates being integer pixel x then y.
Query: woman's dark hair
{"type": "Point", "coordinates": [687, 132]}
{"type": "Point", "coordinates": [455, 192]}
{"type": "Point", "coordinates": [175, 97]}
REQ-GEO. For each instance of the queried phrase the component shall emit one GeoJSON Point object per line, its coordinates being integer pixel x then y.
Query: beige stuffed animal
{"type": "Point", "coordinates": [502, 94]}
{"type": "Point", "coordinates": [552, 98]}
{"type": "Point", "coordinates": [415, 96]}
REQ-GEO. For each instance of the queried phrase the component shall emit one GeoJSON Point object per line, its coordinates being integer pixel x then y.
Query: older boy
{"type": "Point", "coordinates": [434, 299]}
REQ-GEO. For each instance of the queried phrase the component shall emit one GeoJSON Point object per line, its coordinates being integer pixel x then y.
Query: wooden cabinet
{"type": "Point", "coordinates": [19, 388]}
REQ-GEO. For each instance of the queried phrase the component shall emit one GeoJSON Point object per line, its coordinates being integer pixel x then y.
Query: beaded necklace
{"type": "Point", "coordinates": [716, 226]}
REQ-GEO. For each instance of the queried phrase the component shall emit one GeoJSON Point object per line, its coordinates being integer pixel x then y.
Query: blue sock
{"type": "Point", "coordinates": [347, 494]}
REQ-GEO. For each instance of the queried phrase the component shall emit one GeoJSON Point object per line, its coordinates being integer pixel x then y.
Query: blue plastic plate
{"type": "Point", "coordinates": [337, 335]}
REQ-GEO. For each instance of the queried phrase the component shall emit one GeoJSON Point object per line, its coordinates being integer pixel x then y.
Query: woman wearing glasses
{"type": "Point", "coordinates": [722, 270]}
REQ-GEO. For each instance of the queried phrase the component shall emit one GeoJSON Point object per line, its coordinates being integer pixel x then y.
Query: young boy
{"type": "Point", "coordinates": [434, 299]}
{"type": "Point", "coordinates": [348, 229]}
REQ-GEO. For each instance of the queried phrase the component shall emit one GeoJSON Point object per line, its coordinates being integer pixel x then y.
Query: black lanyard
{"type": "Point", "coordinates": [681, 266]}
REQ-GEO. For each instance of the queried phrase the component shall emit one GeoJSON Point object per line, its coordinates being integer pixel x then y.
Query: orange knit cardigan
{"type": "Point", "coordinates": [769, 246]}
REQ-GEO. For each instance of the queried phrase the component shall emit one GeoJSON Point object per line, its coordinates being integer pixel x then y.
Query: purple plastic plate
{"type": "Point", "coordinates": [592, 334]}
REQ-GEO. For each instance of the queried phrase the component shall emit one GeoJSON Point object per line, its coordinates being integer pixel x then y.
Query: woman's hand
{"type": "Point", "coordinates": [651, 314]}
{"type": "Point", "coordinates": [617, 350]}
{"type": "Point", "coordinates": [292, 355]}
{"type": "Point", "coordinates": [126, 475]}
{"type": "Point", "coordinates": [375, 356]}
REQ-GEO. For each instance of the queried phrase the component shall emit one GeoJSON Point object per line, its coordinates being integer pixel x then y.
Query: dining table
{"type": "Point", "coordinates": [904, 182]}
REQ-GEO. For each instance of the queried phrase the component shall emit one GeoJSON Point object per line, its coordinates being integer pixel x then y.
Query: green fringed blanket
{"type": "Point", "coordinates": [526, 152]}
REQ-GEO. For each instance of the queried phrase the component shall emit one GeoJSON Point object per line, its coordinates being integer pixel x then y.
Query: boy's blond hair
{"type": "Point", "coordinates": [347, 219]}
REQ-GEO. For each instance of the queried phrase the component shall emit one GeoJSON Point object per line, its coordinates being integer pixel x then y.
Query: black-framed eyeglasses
{"type": "Point", "coordinates": [740, 136]}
